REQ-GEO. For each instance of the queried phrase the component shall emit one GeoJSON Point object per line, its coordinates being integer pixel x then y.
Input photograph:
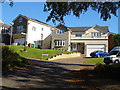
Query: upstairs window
{"type": "Point", "coordinates": [41, 36]}
{"type": "Point", "coordinates": [60, 32]}
{"type": "Point", "coordinates": [20, 19]}
{"type": "Point", "coordinates": [41, 29]}
{"type": "Point", "coordinates": [95, 34]}
{"type": "Point", "coordinates": [78, 35]}
{"type": "Point", "coordinates": [20, 28]}
{"type": "Point", "coordinates": [34, 28]}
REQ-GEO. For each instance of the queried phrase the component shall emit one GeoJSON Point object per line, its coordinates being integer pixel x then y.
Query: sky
{"type": "Point", "coordinates": [35, 10]}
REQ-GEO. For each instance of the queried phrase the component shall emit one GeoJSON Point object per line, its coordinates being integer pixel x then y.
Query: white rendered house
{"type": "Point", "coordinates": [30, 31]}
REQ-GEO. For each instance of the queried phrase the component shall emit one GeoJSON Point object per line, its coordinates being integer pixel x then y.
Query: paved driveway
{"type": "Point", "coordinates": [56, 74]}
{"type": "Point", "coordinates": [71, 63]}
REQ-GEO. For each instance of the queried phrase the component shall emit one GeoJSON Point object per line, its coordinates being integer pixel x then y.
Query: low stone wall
{"type": "Point", "coordinates": [66, 56]}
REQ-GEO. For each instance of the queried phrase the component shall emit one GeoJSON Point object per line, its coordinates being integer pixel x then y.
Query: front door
{"type": "Point", "coordinates": [74, 46]}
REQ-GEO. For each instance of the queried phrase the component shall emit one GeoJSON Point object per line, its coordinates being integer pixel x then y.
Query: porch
{"type": "Point", "coordinates": [78, 47]}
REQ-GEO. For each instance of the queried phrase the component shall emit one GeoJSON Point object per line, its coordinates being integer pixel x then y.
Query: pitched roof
{"type": "Point", "coordinates": [83, 29]}
{"type": "Point", "coordinates": [28, 18]}
{"type": "Point", "coordinates": [6, 25]}
{"type": "Point", "coordinates": [79, 29]}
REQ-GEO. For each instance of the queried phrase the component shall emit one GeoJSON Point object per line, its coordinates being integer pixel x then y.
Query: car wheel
{"type": "Point", "coordinates": [107, 63]}
{"type": "Point", "coordinates": [116, 61]}
{"type": "Point", "coordinates": [98, 56]}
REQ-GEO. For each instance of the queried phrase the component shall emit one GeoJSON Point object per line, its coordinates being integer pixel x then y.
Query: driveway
{"type": "Point", "coordinates": [72, 63]}
{"type": "Point", "coordinates": [56, 74]}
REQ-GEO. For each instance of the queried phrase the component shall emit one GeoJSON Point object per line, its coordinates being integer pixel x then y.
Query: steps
{"type": "Point", "coordinates": [63, 56]}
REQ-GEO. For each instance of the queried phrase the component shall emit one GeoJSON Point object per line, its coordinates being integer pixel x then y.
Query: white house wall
{"type": "Point", "coordinates": [36, 35]}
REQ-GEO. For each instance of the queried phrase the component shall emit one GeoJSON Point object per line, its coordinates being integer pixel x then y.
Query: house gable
{"type": "Point", "coordinates": [62, 27]}
{"type": "Point", "coordinates": [17, 23]}
{"type": "Point", "coordinates": [31, 19]}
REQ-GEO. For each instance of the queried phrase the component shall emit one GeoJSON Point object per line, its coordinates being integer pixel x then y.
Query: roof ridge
{"type": "Point", "coordinates": [32, 19]}
{"type": "Point", "coordinates": [89, 26]}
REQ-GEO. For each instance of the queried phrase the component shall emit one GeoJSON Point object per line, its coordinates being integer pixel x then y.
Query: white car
{"type": "Point", "coordinates": [113, 56]}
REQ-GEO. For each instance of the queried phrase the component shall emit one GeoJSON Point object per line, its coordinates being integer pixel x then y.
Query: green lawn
{"type": "Point", "coordinates": [37, 53]}
{"type": "Point", "coordinates": [95, 60]}
{"type": "Point", "coordinates": [100, 60]}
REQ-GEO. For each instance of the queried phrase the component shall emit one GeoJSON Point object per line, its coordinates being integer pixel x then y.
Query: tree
{"type": "Point", "coordinates": [58, 10]}
{"type": "Point", "coordinates": [11, 2]}
{"type": "Point", "coordinates": [116, 40]}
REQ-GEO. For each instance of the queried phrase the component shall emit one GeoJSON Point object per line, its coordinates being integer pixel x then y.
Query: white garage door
{"type": "Point", "coordinates": [91, 48]}
{"type": "Point", "coordinates": [19, 40]}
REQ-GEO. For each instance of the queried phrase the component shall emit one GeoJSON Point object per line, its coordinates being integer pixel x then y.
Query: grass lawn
{"type": "Point", "coordinates": [100, 60]}
{"type": "Point", "coordinates": [37, 53]}
{"type": "Point", "coordinates": [95, 60]}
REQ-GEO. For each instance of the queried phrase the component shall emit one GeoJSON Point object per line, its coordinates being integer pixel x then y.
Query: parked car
{"type": "Point", "coordinates": [113, 56]}
{"type": "Point", "coordinates": [98, 53]}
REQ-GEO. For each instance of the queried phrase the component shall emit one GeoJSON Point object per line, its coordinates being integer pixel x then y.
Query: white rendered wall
{"type": "Point", "coordinates": [36, 35]}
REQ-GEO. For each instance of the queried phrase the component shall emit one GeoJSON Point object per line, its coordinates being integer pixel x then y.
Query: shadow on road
{"type": "Point", "coordinates": [45, 74]}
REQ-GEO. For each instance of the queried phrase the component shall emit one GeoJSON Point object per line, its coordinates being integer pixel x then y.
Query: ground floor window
{"type": "Point", "coordinates": [59, 42]}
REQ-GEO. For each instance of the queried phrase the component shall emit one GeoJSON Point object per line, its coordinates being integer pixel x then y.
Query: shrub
{"type": "Point", "coordinates": [116, 40]}
{"type": "Point", "coordinates": [11, 58]}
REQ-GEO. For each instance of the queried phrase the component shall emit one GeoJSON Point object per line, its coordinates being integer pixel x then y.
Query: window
{"type": "Point", "coordinates": [20, 19]}
{"type": "Point", "coordinates": [20, 28]}
{"type": "Point", "coordinates": [95, 34]}
{"type": "Point", "coordinates": [41, 36]}
{"type": "Point", "coordinates": [113, 52]}
{"type": "Point", "coordinates": [59, 42]}
{"type": "Point", "coordinates": [34, 28]}
{"type": "Point", "coordinates": [78, 35]}
{"type": "Point", "coordinates": [60, 31]}
{"type": "Point", "coordinates": [118, 54]}
{"type": "Point", "coordinates": [41, 29]}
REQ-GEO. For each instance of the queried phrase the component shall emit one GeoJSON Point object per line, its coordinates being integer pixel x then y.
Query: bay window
{"type": "Point", "coordinates": [59, 42]}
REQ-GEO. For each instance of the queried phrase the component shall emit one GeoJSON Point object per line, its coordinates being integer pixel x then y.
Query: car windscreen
{"type": "Point", "coordinates": [113, 52]}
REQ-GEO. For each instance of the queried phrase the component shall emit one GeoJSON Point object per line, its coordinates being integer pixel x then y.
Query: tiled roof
{"type": "Point", "coordinates": [79, 29]}
{"type": "Point", "coordinates": [28, 18]}
{"type": "Point", "coordinates": [83, 29]}
{"type": "Point", "coordinates": [6, 25]}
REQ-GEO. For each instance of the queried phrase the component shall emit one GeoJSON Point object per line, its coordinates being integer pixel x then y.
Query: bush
{"type": "Point", "coordinates": [11, 58]}
{"type": "Point", "coordinates": [116, 40]}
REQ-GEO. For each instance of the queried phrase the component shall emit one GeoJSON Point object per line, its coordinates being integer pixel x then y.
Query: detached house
{"type": "Point", "coordinates": [5, 33]}
{"type": "Point", "coordinates": [31, 31]}
{"type": "Point", "coordinates": [80, 39]}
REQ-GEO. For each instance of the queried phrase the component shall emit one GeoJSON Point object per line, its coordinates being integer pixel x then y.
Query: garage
{"type": "Point", "coordinates": [91, 48]}
{"type": "Point", "coordinates": [19, 41]}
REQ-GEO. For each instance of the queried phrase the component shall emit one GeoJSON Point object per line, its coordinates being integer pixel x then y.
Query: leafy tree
{"type": "Point", "coordinates": [58, 10]}
{"type": "Point", "coordinates": [116, 40]}
{"type": "Point", "coordinates": [11, 2]}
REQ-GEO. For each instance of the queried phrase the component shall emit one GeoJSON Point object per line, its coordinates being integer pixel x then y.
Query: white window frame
{"type": "Point", "coordinates": [59, 42]}
{"type": "Point", "coordinates": [95, 34]}
{"type": "Point", "coordinates": [60, 32]}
